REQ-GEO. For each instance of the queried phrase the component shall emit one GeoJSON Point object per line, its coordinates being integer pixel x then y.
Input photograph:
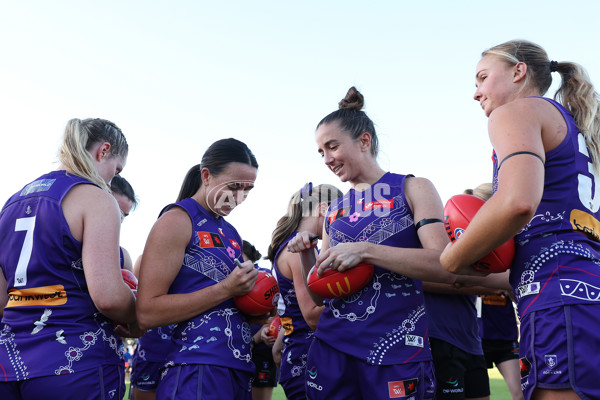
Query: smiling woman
{"type": "Point", "coordinates": [376, 222]}
{"type": "Point", "coordinates": [189, 276]}
{"type": "Point", "coordinates": [551, 210]}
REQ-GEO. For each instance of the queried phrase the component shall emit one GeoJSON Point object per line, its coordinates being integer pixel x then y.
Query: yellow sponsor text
{"type": "Point", "coordinates": [585, 223]}
{"type": "Point", "coordinates": [54, 295]}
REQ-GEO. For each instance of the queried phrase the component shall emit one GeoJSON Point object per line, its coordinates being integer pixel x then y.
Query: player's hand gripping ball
{"type": "Point", "coordinates": [262, 298]}
{"type": "Point", "coordinates": [274, 327]}
{"type": "Point", "coordinates": [333, 283]}
{"type": "Point", "coordinates": [458, 213]}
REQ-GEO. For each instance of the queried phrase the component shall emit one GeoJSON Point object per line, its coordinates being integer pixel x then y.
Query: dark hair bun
{"type": "Point", "coordinates": [353, 100]}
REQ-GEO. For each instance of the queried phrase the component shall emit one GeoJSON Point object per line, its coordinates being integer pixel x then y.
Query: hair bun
{"type": "Point", "coordinates": [354, 100]}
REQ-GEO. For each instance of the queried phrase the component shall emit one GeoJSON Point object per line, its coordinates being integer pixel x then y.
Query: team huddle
{"type": "Point", "coordinates": [412, 314]}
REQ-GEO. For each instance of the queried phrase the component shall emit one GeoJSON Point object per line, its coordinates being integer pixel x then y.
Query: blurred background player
{"type": "Point", "coordinates": [266, 375]}
{"type": "Point", "coordinates": [298, 312]}
{"type": "Point", "coordinates": [127, 201]}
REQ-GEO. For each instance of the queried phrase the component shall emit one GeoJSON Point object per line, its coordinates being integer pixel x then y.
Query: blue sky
{"type": "Point", "coordinates": [176, 78]}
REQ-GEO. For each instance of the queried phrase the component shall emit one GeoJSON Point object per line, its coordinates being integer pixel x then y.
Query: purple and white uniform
{"type": "Point", "coordinates": [150, 356]}
{"type": "Point", "coordinates": [220, 336]}
{"type": "Point", "coordinates": [51, 326]}
{"type": "Point", "coordinates": [566, 270]}
{"type": "Point", "coordinates": [387, 317]}
{"type": "Point", "coordinates": [556, 272]}
{"type": "Point", "coordinates": [298, 335]}
{"type": "Point", "coordinates": [382, 330]}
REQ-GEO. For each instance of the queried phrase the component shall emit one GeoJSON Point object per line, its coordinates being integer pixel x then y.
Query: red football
{"type": "Point", "coordinates": [459, 211]}
{"type": "Point", "coordinates": [333, 283]}
{"type": "Point", "coordinates": [262, 298]}
{"type": "Point", "coordinates": [130, 279]}
{"type": "Point", "coordinates": [274, 327]}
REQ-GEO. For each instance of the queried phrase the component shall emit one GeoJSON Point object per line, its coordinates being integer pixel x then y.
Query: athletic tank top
{"type": "Point", "coordinates": [51, 326]}
{"type": "Point", "coordinates": [385, 322]}
{"type": "Point", "coordinates": [558, 252]}
{"type": "Point", "coordinates": [220, 336]}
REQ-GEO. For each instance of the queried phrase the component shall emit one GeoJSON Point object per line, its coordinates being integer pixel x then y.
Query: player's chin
{"type": "Point", "coordinates": [225, 211]}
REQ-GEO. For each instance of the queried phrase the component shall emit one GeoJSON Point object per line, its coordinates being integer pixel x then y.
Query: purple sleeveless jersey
{"type": "Point", "coordinates": [557, 258]}
{"type": "Point", "coordinates": [385, 322]}
{"type": "Point", "coordinates": [154, 345]}
{"type": "Point", "coordinates": [453, 319]}
{"type": "Point", "coordinates": [51, 325]}
{"type": "Point", "coordinates": [220, 336]}
{"type": "Point", "coordinates": [298, 335]}
{"type": "Point", "coordinates": [498, 321]}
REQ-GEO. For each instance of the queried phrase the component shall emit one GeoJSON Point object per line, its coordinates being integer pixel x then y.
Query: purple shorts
{"type": "Point", "coordinates": [206, 382]}
{"type": "Point", "coordinates": [145, 375]}
{"type": "Point", "coordinates": [332, 374]}
{"type": "Point", "coordinates": [293, 369]}
{"type": "Point", "coordinates": [104, 382]}
{"type": "Point", "coordinates": [558, 350]}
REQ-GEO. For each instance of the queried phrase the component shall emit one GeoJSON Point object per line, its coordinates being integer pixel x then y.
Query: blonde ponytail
{"type": "Point", "coordinates": [79, 138]}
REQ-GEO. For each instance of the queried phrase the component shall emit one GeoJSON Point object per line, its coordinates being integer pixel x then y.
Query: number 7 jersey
{"type": "Point", "coordinates": [51, 325]}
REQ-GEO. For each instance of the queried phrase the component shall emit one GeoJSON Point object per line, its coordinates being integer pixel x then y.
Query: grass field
{"type": "Point", "coordinates": [498, 388]}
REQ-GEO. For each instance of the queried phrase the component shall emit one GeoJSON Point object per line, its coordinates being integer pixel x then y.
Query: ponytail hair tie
{"type": "Point", "coordinates": [553, 66]}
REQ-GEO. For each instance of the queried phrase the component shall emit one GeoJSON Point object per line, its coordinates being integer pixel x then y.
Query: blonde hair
{"type": "Point", "coordinates": [576, 92]}
{"type": "Point", "coordinates": [301, 205]}
{"type": "Point", "coordinates": [483, 191]}
{"type": "Point", "coordinates": [79, 137]}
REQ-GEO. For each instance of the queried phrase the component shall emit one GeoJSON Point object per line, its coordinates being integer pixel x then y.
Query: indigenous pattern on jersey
{"type": "Point", "coordinates": [51, 325]}
{"type": "Point", "coordinates": [385, 322]}
{"type": "Point", "coordinates": [453, 319]}
{"type": "Point", "coordinates": [298, 335]}
{"type": "Point", "coordinates": [220, 336]}
{"type": "Point", "coordinates": [154, 345]}
{"type": "Point", "coordinates": [557, 258]}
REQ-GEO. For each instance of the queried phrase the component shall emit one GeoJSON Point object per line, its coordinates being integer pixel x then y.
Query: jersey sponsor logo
{"type": "Point", "coordinates": [414, 340]}
{"type": "Point", "coordinates": [525, 366]}
{"type": "Point", "coordinates": [379, 204]}
{"type": "Point", "coordinates": [312, 373]}
{"type": "Point", "coordinates": [494, 300]}
{"type": "Point", "coordinates": [234, 244]}
{"type": "Point", "coordinates": [208, 239]}
{"type": "Point", "coordinates": [337, 214]}
{"type": "Point", "coordinates": [42, 185]}
{"type": "Point", "coordinates": [314, 385]}
{"type": "Point", "coordinates": [402, 388]}
{"type": "Point", "coordinates": [529, 289]}
{"type": "Point", "coordinates": [288, 325]}
{"type": "Point", "coordinates": [585, 223]}
{"type": "Point", "coordinates": [54, 295]}
{"type": "Point", "coordinates": [452, 386]}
